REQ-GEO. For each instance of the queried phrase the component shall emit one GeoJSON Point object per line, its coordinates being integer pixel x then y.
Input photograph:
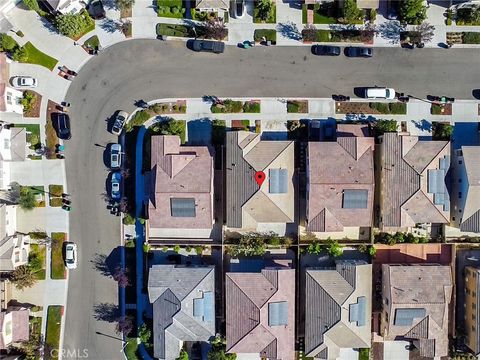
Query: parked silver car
{"type": "Point", "coordinates": [115, 156]}
{"type": "Point", "coordinates": [71, 255]}
{"type": "Point", "coordinates": [119, 122]}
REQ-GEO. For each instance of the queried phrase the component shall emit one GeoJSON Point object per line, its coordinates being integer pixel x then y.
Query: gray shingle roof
{"type": "Point", "coordinates": [172, 290]}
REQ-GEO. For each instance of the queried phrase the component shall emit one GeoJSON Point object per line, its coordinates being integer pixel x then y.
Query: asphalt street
{"type": "Point", "coordinates": [150, 69]}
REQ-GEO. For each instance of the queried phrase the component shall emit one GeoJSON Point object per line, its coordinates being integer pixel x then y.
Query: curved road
{"type": "Point", "coordinates": [150, 69]}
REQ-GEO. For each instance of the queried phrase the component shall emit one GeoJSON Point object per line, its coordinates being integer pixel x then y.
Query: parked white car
{"type": "Point", "coordinates": [380, 93]}
{"type": "Point", "coordinates": [24, 82]}
{"type": "Point", "coordinates": [71, 255]}
{"type": "Point", "coordinates": [115, 156]}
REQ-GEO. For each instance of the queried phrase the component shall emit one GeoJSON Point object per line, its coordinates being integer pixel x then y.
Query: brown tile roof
{"type": "Point", "coordinates": [405, 163]}
{"type": "Point", "coordinates": [419, 287]}
{"type": "Point", "coordinates": [333, 168]}
{"type": "Point", "coordinates": [248, 296]}
{"type": "Point", "coordinates": [180, 172]}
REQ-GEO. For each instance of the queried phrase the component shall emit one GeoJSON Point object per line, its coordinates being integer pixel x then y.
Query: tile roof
{"type": "Point", "coordinates": [246, 154]}
{"type": "Point", "coordinates": [419, 287]}
{"type": "Point", "coordinates": [173, 291]}
{"type": "Point", "coordinates": [213, 4]}
{"type": "Point", "coordinates": [471, 210]}
{"type": "Point", "coordinates": [19, 326]}
{"type": "Point", "coordinates": [334, 168]}
{"type": "Point", "coordinates": [248, 296]}
{"type": "Point", "coordinates": [405, 163]}
{"type": "Point", "coordinates": [331, 295]}
{"type": "Point", "coordinates": [179, 172]}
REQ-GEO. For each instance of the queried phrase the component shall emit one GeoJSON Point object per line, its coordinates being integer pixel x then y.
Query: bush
{"type": "Point", "coordinates": [139, 118]}
{"type": "Point", "coordinates": [28, 101]}
{"type": "Point", "coordinates": [380, 107]}
{"type": "Point", "coordinates": [171, 127]}
{"type": "Point", "coordinates": [27, 199]}
{"type": "Point", "coordinates": [73, 25]}
{"type": "Point", "coordinates": [228, 106]}
{"type": "Point", "coordinates": [471, 38]}
{"type": "Point", "coordinates": [292, 107]}
{"type": "Point", "coordinates": [324, 36]}
{"type": "Point", "coordinates": [37, 235]}
{"type": "Point", "coordinates": [351, 12]}
{"type": "Point", "coordinates": [20, 54]}
{"type": "Point", "coordinates": [333, 248]}
{"type": "Point", "coordinates": [373, 15]}
{"type": "Point", "coordinates": [128, 220]}
{"type": "Point", "coordinates": [397, 108]}
{"type": "Point", "coordinates": [176, 248]}
{"type": "Point", "coordinates": [146, 247]}
{"type": "Point", "coordinates": [7, 43]}
{"type": "Point", "coordinates": [413, 12]}
{"type": "Point", "coordinates": [251, 107]}
{"type": "Point", "coordinates": [199, 250]}
{"type": "Point", "coordinates": [174, 30]}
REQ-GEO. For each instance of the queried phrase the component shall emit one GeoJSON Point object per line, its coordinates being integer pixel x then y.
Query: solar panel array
{"type": "Point", "coordinates": [203, 307]}
{"type": "Point", "coordinates": [355, 199]}
{"type": "Point", "coordinates": [357, 311]}
{"type": "Point", "coordinates": [278, 181]}
{"type": "Point", "coordinates": [278, 313]}
{"type": "Point", "coordinates": [437, 186]}
{"type": "Point", "coordinates": [404, 317]}
{"type": "Point", "coordinates": [182, 207]}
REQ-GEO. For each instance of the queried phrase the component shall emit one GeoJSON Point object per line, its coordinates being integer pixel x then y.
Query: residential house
{"type": "Point", "coordinates": [9, 97]}
{"type": "Point", "coordinates": [472, 307]}
{"type": "Point", "coordinates": [13, 147]}
{"type": "Point", "coordinates": [14, 326]}
{"type": "Point", "coordinates": [65, 6]}
{"type": "Point", "coordinates": [180, 188]}
{"type": "Point", "coordinates": [14, 247]}
{"type": "Point", "coordinates": [416, 306]}
{"type": "Point", "coordinates": [414, 174]}
{"type": "Point", "coordinates": [259, 206]}
{"type": "Point", "coordinates": [340, 184]}
{"type": "Point", "coordinates": [212, 5]}
{"type": "Point", "coordinates": [183, 300]}
{"type": "Point", "coordinates": [465, 198]}
{"type": "Point", "coordinates": [338, 305]}
{"type": "Point", "coordinates": [260, 313]}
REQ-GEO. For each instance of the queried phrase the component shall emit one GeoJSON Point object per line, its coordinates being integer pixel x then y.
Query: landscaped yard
{"type": "Point", "coordinates": [51, 134]}
{"type": "Point", "coordinates": [297, 106]}
{"type": "Point", "coordinates": [36, 258]}
{"type": "Point", "coordinates": [38, 192]}
{"type": "Point", "coordinates": [350, 107]}
{"type": "Point", "coordinates": [52, 338]}
{"type": "Point", "coordinates": [240, 124]}
{"type": "Point", "coordinates": [55, 195]}
{"type": "Point", "coordinates": [35, 56]}
{"type": "Point", "coordinates": [322, 13]}
{"type": "Point", "coordinates": [33, 133]}
{"type": "Point", "coordinates": [92, 42]}
{"type": "Point", "coordinates": [170, 9]}
{"type": "Point", "coordinates": [31, 102]}
{"type": "Point", "coordinates": [58, 267]}
{"type": "Point", "coordinates": [174, 30]}
{"type": "Point", "coordinates": [270, 18]}
{"type": "Point", "coordinates": [268, 34]}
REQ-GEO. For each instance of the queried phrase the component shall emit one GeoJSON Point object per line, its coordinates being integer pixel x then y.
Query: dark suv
{"type": "Point", "coordinates": [61, 123]}
{"type": "Point", "coordinates": [216, 47]}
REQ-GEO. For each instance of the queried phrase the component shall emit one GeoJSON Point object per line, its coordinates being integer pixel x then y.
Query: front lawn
{"type": "Point", "coordinates": [268, 34]}
{"type": "Point", "coordinates": [174, 30]}
{"type": "Point", "coordinates": [92, 42]}
{"type": "Point", "coordinates": [35, 56]}
{"type": "Point", "coordinates": [297, 106]}
{"type": "Point", "coordinates": [170, 9]}
{"type": "Point", "coordinates": [58, 267]}
{"type": "Point", "coordinates": [322, 13]}
{"type": "Point", "coordinates": [33, 133]}
{"type": "Point", "coordinates": [55, 195]}
{"type": "Point", "coordinates": [36, 260]}
{"type": "Point", "coordinates": [52, 338]}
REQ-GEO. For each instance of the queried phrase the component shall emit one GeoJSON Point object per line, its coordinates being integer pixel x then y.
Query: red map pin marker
{"type": "Point", "coordinates": [259, 177]}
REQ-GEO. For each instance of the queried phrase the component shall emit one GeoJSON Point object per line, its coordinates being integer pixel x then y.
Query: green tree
{"type": "Point", "coordinates": [351, 12]}
{"type": "Point", "coordinates": [27, 199]}
{"type": "Point", "coordinates": [183, 355]}
{"type": "Point", "coordinates": [124, 4]}
{"type": "Point", "coordinates": [214, 29]}
{"type": "Point", "coordinates": [33, 5]}
{"type": "Point", "coordinates": [333, 248]}
{"type": "Point", "coordinates": [413, 12]}
{"type": "Point", "coordinates": [314, 247]}
{"type": "Point", "coordinates": [144, 334]}
{"type": "Point", "coordinates": [172, 127]}
{"type": "Point", "coordinates": [23, 277]}
{"type": "Point", "coordinates": [217, 350]}
{"type": "Point", "coordinates": [28, 100]}
{"type": "Point", "coordinates": [382, 126]}
{"type": "Point", "coordinates": [20, 54]}
{"type": "Point", "coordinates": [72, 25]}
{"type": "Point", "coordinates": [7, 43]}
{"type": "Point", "coordinates": [265, 7]}
{"type": "Point", "coordinates": [372, 251]}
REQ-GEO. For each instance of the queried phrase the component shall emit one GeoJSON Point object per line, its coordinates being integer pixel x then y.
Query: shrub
{"type": "Point", "coordinates": [324, 36]}
{"type": "Point", "coordinates": [471, 38]}
{"type": "Point", "coordinates": [397, 108]}
{"type": "Point", "coordinates": [351, 12]}
{"type": "Point", "coordinates": [128, 220]}
{"type": "Point", "coordinates": [7, 43]}
{"type": "Point", "coordinates": [199, 250]}
{"type": "Point", "coordinates": [383, 126]}
{"type": "Point", "coordinates": [269, 34]}
{"type": "Point", "coordinates": [176, 248]}
{"type": "Point", "coordinates": [27, 199]}
{"type": "Point", "coordinates": [146, 247]}
{"type": "Point", "coordinates": [251, 107]}
{"type": "Point", "coordinates": [441, 131]}
{"type": "Point", "coordinates": [380, 107]}
{"type": "Point", "coordinates": [188, 248]}
{"type": "Point", "coordinates": [413, 11]}
{"type": "Point", "coordinates": [183, 355]}
{"type": "Point", "coordinates": [373, 15]}
{"type": "Point", "coordinates": [139, 118]}
{"type": "Point", "coordinates": [164, 248]}
{"type": "Point", "coordinates": [144, 333]}
{"type": "Point", "coordinates": [73, 25]}
{"type": "Point", "coordinates": [20, 54]}
{"type": "Point", "coordinates": [314, 247]}
{"type": "Point", "coordinates": [37, 235]}
{"type": "Point", "coordinates": [28, 101]}
{"type": "Point", "coordinates": [292, 107]}
{"type": "Point", "coordinates": [333, 248]}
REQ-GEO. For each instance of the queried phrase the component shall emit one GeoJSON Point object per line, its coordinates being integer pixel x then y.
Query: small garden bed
{"type": "Point", "coordinates": [347, 107]}
{"type": "Point", "coordinates": [467, 37]}
{"type": "Point", "coordinates": [33, 134]}
{"type": "Point", "coordinates": [174, 30]}
{"type": "Point", "coordinates": [297, 106]}
{"type": "Point", "coordinates": [265, 35]}
{"type": "Point", "coordinates": [441, 109]}
{"type": "Point", "coordinates": [203, 15]}
{"type": "Point", "coordinates": [31, 104]}
{"type": "Point", "coordinates": [171, 127]}
{"type": "Point", "coordinates": [36, 260]}
{"type": "Point", "coordinates": [55, 194]}
{"type": "Point", "coordinates": [230, 106]}
{"type": "Point", "coordinates": [252, 106]}
{"type": "Point", "coordinates": [319, 35]}
{"type": "Point", "coordinates": [170, 9]}
{"type": "Point", "coordinates": [441, 130]}
{"type": "Point", "coordinates": [241, 125]}
{"type": "Point", "coordinates": [91, 43]}
{"type": "Point", "coordinates": [57, 265]}
{"type": "Point", "coordinates": [51, 135]}
{"type": "Point", "coordinates": [54, 324]}
{"type": "Point", "coordinates": [38, 192]}
{"type": "Point", "coordinates": [127, 29]}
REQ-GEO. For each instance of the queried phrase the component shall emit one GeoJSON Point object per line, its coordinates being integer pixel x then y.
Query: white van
{"type": "Point", "coordinates": [380, 93]}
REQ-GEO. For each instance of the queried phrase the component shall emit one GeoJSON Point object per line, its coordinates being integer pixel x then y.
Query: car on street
{"type": "Point", "coordinates": [119, 122]}
{"type": "Point", "coordinates": [115, 156]}
{"type": "Point", "coordinates": [216, 47]}
{"type": "Point", "coordinates": [380, 93]}
{"type": "Point", "coordinates": [71, 255]}
{"type": "Point", "coordinates": [325, 50]}
{"type": "Point", "coordinates": [96, 10]}
{"type": "Point", "coordinates": [354, 51]}
{"type": "Point", "coordinates": [115, 189]}
{"type": "Point", "coordinates": [61, 124]}
{"type": "Point", "coordinates": [24, 82]}
{"type": "Point", "coordinates": [239, 8]}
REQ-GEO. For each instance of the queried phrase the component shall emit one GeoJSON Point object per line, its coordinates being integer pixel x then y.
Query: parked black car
{"type": "Point", "coordinates": [325, 50]}
{"type": "Point", "coordinates": [61, 124]}
{"type": "Point", "coordinates": [96, 10]}
{"type": "Point", "coordinates": [216, 47]}
{"type": "Point", "coordinates": [353, 51]}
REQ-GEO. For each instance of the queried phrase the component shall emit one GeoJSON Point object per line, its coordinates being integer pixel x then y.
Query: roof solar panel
{"type": "Point", "coordinates": [355, 199]}
{"type": "Point", "coordinates": [357, 311]}
{"type": "Point", "coordinates": [209, 308]}
{"type": "Point", "coordinates": [278, 313]}
{"type": "Point", "coordinates": [404, 317]}
{"type": "Point", "coordinates": [198, 307]}
{"type": "Point", "coordinates": [278, 181]}
{"type": "Point", "coordinates": [182, 207]}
